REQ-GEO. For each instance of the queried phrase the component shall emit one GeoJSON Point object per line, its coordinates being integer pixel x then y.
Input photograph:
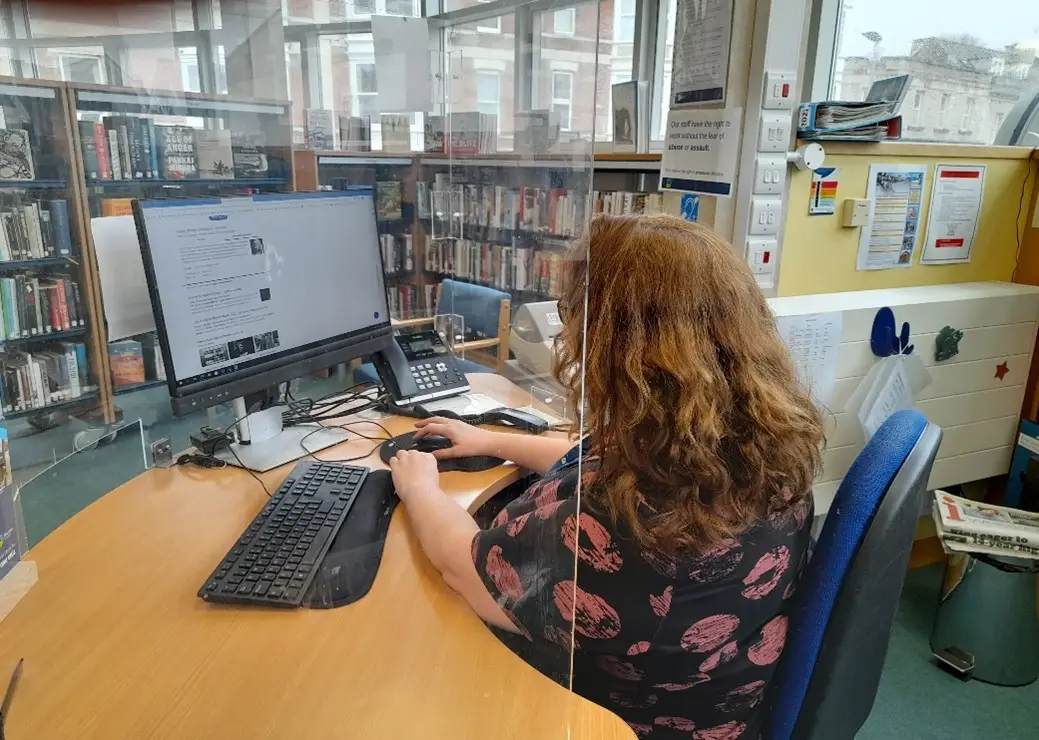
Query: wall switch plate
{"type": "Point", "coordinates": [162, 453]}
{"type": "Point", "coordinates": [761, 255]}
{"type": "Point", "coordinates": [769, 174]}
{"type": "Point", "coordinates": [765, 214]}
{"type": "Point", "coordinates": [774, 133]}
{"type": "Point", "coordinates": [779, 90]}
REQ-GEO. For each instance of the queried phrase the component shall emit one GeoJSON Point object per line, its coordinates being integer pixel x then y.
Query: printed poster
{"type": "Point", "coordinates": [703, 31]}
{"type": "Point", "coordinates": [814, 342]}
{"type": "Point", "coordinates": [701, 151]}
{"type": "Point", "coordinates": [952, 225]}
{"type": "Point", "coordinates": [889, 238]}
{"type": "Point", "coordinates": [823, 197]}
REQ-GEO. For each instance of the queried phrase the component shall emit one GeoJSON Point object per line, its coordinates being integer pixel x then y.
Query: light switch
{"type": "Point", "coordinates": [769, 174]}
{"type": "Point", "coordinates": [774, 132]}
{"type": "Point", "coordinates": [779, 90]}
{"type": "Point", "coordinates": [765, 215]}
{"type": "Point", "coordinates": [761, 255]}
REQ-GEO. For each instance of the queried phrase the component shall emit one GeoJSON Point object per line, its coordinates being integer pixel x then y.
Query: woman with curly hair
{"type": "Point", "coordinates": [685, 519]}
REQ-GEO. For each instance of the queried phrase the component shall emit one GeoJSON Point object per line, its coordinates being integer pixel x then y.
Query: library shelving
{"type": "Point", "coordinates": [500, 220]}
{"type": "Point", "coordinates": [148, 144]}
{"type": "Point", "coordinates": [51, 358]}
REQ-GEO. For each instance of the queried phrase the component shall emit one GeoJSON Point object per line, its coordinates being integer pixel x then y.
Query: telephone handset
{"type": "Point", "coordinates": [418, 367]}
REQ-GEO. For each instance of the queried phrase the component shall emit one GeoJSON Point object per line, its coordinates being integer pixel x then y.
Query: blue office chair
{"type": "Point", "coordinates": [841, 617]}
{"type": "Point", "coordinates": [486, 311]}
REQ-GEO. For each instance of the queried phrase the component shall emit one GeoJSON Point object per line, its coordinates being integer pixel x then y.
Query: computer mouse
{"type": "Point", "coordinates": [432, 443]}
{"type": "Point", "coordinates": [436, 442]}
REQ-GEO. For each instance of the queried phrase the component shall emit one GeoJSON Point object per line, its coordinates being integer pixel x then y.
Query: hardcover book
{"type": "Point", "coordinates": [214, 154]}
{"type": "Point", "coordinates": [248, 155]}
{"type": "Point", "coordinates": [319, 128]}
{"type": "Point", "coordinates": [16, 155]}
{"type": "Point", "coordinates": [176, 152]}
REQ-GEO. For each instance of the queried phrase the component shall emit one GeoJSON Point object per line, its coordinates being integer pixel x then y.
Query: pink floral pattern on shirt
{"type": "Point", "coordinates": [680, 645]}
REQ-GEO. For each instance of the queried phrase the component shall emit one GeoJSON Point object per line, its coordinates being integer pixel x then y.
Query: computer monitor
{"type": "Point", "coordinates": [249, 292]}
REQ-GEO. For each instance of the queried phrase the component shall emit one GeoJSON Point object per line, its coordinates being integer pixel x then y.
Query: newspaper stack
{"type": "Point", "coordinates": [971, 526]}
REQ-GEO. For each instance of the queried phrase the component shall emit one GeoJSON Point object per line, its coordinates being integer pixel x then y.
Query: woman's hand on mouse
{"type": "Point", "coordinates": [466, 440]}
{"type": "Point", "coordinates": [413, 472]}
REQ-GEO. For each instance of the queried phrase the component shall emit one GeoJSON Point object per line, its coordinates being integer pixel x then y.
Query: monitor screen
{"type": "Point", "coordinates": [242, 285]}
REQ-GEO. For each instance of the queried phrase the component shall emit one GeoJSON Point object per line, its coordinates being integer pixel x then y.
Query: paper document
{"type": "Point", "coordinates": [124, 290]}
{"type": "Point", "coordinates": [889, 238]}
{"type": "Point", "coordinates": [402, 64]}
{"type": "Point", "coordinates": [956, 200]}
{"type": "Point", "coordinates": [813, 341]}
{"type": "Point", "coordinates": [703, 32]}
{"type": "Point", "coordinates": [891, 392]}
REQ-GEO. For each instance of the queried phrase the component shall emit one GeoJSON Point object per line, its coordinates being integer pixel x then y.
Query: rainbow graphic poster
{"type": "Point", "coordinates": [823, 200]}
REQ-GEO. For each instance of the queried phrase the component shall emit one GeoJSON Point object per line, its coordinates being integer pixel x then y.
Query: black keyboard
{"type": "Point", "coordinates": [275, 560]}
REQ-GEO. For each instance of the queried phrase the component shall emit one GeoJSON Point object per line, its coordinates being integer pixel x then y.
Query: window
{"type": "Point", "coordinates": [953, 53]}
{"type": "Point", "coordinates": [82, 68]}
{"type": "Point", "coordinates": [489, 25]}
{"type": "Point", "coordinates": [563, 98]}
{"type": "Point", "coordinates": [624, 20]}
{"type": "Point", "coordinates": [189, 78]}
{"type": "Point", "coordinates": [488, 93]}
{"type": "Point", "coordinates": [365, 97]}
{"type": "Point", "coordinates": [564, 22]}
{"type": "Point", "coordinates": [399, 7]}
{"type": "Point", "coordinates": [918, 99]}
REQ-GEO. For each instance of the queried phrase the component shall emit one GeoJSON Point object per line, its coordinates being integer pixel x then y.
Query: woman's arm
{"type": "Point", "coordinates": [445, 531]}
{"type": "Point", "coordinates": [534, 453]}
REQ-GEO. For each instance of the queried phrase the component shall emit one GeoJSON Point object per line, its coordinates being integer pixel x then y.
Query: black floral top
{"type": "Point", "coordinates": [677, 646]}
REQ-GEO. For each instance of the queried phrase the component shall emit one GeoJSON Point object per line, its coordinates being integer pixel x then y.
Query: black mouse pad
{"type": "Point", "coordinates": [348, 569]}
{"type": "Point", "coordinates": [473, 464]}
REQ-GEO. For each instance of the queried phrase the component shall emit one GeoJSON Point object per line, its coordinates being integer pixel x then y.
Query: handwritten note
{"type": "Point", "coordinates": [813, 341]}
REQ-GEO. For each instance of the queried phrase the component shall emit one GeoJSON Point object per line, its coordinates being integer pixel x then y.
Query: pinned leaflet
{"type": "Point", "coordinates": [701, 149]}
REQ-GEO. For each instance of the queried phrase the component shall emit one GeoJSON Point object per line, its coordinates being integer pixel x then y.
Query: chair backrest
{"type": "Point", "coordinates": [479, 305]}
{"type": "Point", "coordinates": [842, 615]}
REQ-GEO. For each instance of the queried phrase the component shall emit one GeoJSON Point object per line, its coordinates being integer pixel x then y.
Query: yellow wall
{"type": "Point", "coordinates": [819, 254]}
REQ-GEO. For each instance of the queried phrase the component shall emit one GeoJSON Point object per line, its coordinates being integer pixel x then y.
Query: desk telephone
{"type": "Point", "coordinates": [418, 367]}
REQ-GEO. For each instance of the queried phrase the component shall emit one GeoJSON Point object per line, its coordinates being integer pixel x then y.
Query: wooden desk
{"type": "Point", "coordinates": [117, 645]}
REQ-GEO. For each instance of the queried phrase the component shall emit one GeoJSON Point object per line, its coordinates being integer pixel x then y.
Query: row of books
{"type": "Point", "coordinates": [620, 202]}
{"type": "Point", "coordinates": [459, 133]}
{"type": "Point", "coordinates": [136, 361]}
{"type": "Point", "coordinates": [554, 211]}
{"type": "Point", "coordinates": [398, 253]}
{"type": "Point", "coordinates": [135, 148]}
{"type": "Point", "coordinates": [408, 301]}
{"type": "Point", "coordinates": [35, 230]}
{"type": "Point", "coordinates": [498, 266]}
{"type": "Point", "coordinates": [33, 306]}
{"type": "Point", "coordinates": [39, 379]}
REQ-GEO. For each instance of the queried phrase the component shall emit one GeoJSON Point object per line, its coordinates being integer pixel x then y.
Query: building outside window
{"type": "Point", "coordinates": [954, 54]}
{"type": "Point", "coordinates": [488, 94]}
{"type": "Point", "coordinates": [82, 68]}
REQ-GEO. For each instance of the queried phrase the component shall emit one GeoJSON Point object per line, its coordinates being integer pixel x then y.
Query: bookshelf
{"type": "Point", "coordinates": [51, 359]}
{"type": "Point", "coordinates": [149, 144]}
{"type": "Point", "coordinates": [492, 244]}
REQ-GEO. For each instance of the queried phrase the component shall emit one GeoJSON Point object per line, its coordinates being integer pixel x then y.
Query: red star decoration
{"type": "Point", "coordinates": [1002, 370]}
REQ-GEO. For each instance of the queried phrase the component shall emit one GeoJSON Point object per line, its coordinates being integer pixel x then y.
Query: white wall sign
{"type": "Point", "coordinates": [703, 31]}
{"type": "Point", "coordinates": [701, 149]}
{"type": "Point", "coordinates": [955, 206]}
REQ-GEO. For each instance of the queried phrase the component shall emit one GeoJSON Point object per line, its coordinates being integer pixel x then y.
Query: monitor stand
{"type": "Point", "coordinates": [266, 444]}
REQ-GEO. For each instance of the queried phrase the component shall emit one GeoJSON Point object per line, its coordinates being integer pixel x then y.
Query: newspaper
{"type": "Point", "coordinates": [972, 526]}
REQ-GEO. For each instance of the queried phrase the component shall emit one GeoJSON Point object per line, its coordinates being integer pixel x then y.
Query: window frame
{"type": "Point", "coordinates": [78, 56]}
{"type": "Point", "coordinates": [568, 102]}
{"type": "Point", "coordinates": [572, 11]}
{"type": "Point", "coordinates": [496, 74]}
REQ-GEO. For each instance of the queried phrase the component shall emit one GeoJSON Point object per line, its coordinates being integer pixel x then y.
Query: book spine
{"type": "Point", "coordinates": [41, 325]}
{"type": "Point", "coordinates": [72, 363]}
{"type": "Point", "coordinates": [115, 160]}
{"type": "Point", "coordinates": [86, 136]}
{"type": "Point", "coordinates": [70, 302]}
{"type": "Point", "coordinates": [77, 300]}
{"type": "Point", "coordinates": [59, 213]}
{"type": "Point", "coordinates": [14, 328]}
{"type": "Point", "coordinates": [32, 220]}
{"type": "Point", "coordinates": [104, 159]}
{"type": "Point", "coordinates": [21, 234]}
{"type": "Point", "coordinates": [63, 306]}
{"type": "Point", "coordinates": [24, 397]}
{"type": "Point", "coordinates": [84, 369]}
{"type": "Point", "coordinates": [46, 316]}
{"type": "Point", "coordinates": [54, 303]}
{"type": "Point", "coordinates": [153, 138]}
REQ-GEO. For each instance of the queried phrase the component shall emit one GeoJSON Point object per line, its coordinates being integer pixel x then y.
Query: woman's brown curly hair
{"type": "Point", "coordinates": [691, 399]}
